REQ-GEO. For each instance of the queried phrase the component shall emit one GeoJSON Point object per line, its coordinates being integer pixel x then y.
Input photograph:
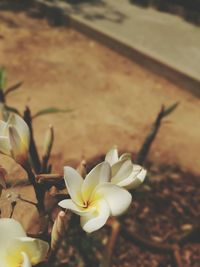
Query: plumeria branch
{"type": "Point", "coordinates": [53, 178]}
{"type": "Point", "coordinates": [115, 230]}
{"type": "Point", "coordinates": [48, 144]}
{"type": "Point", "coordinates": [144, 150]}
{"type": "Point", "coordinates": [13, 205]}
{"type": "Point", "coordinates": [39, 189]}
{"type": "Point", "coordinates": [34, 156]}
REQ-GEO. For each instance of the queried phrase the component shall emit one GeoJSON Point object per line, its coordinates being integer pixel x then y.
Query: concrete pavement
{"type": "Point", "coordinates": [164, 43]}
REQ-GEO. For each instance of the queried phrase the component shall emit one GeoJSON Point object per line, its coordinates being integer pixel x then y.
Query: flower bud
{"type": "Point", "coordinates": [18, 149]}
{"type": "Point", "coordinates": [48, 141]}
{"type": "Point", "coordinates": [59, 228]}
{"type": "Point", "coordinates": [15, 138]}
{"type": "Point", "coordinates": [81, 169]}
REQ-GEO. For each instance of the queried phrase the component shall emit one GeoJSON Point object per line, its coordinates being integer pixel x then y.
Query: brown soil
{"type": "Point", "coordinates": [165, 213]}
{"type": "Point", "coordinates": [115, 101]}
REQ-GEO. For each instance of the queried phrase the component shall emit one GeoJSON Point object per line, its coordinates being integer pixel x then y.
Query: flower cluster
{"type": "Point", "coordinates": [101, 194]}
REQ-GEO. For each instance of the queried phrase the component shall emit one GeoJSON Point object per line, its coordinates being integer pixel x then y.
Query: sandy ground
{"type": "Point", "coordinates": [114, 100]}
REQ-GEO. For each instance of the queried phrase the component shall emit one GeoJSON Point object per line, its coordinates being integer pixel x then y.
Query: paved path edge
{"type": "Point", "coordinates": [60, 17]}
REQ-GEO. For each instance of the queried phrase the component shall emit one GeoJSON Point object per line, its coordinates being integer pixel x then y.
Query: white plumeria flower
{"type": "Point", "coordinates": [18, 250]}
{"type": "Point", "coordinates": [15, 138]}
{"type": "Point", "coordinates": [124, 172]}
{"type": "Point", "coordinates": [94, 198]}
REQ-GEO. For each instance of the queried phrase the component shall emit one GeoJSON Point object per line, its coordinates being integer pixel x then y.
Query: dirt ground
{"type": "Point", "coordinates": [114, 100]}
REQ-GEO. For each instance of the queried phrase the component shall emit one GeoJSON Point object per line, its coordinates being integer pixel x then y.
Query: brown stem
{"type": "Point", "coordinates": [144, 150]}
{"type": "Point", "coordinates": [35, 160]}
{"type": "Point", "coordinates": [39, 189]}
{"type": "Point", "coordinates": [115, 225]}
{"type": "Point", "coordinates": [49, 177]}
{"type": "Point", "coordinates": [177, 257]}
{"type": "Point", "coordinates": [13, 205]}
{"type": "Point", "coordinates": [44, 164]}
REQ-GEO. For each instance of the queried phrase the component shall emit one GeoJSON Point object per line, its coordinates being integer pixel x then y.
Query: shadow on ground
{"type": "Point", "coordinates": [187, 9]}
{"type": "Point", "coordinates": [56, 14]}
{"type": "Point", "coordinates": [32, 10]}
{"type": "Point", "coordinates": [110, 13]}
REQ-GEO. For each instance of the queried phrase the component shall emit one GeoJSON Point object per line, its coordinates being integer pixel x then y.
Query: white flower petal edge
{"type": "Point", "coordinates": [5, 145]}
{"type": "Point", "coordinates": [118, 199]}
{"type": "Point", "coordinates": [129, 175]}
{"type": "Point", "coordinates": [22, 128]}
{"type": "Point", "coordinates": [18, 148]}
{"type": "Point", "coordinates": [26, 260]}
{"type": "Point", "coordinates": [134, 181]}
{"type": "Point", "coordinates": [10, 228]}
{"type": "Point", "coordinates": [15, 138]}
{"type": "Point", "coordinates": [36, 250]}
{"type": "Point", "coordinates": [112, 156]}
{"type": "Point", "coordinates": [125, 156]}
{"type": "Point", "coordinates": [97, 197]}
{"type": "Point", "coordinates": [73, 182]}
{"type": "Point", "coordinates": [121, 170]}
{"type": "Point", "coordinates": [18, 250]}
{"type": "Point", "coordinates": [96, 219]}
{"type": "Point", "coordinates": [99, 174]}
{"type": "Point", "coordinates": [70, 205]}
{"type": "Point", "coordinates": [3, 128]}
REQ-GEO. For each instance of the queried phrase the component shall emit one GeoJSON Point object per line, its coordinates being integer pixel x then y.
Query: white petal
{"type": "Point", "coordinates": [5, 145]}
{"type": "Point", "coordinates": [134, 180]}
{"type": "Point", "coordinates": [74, 182]}
{"type": "Point", "coordinates": [18, 149]}
{"type": "Point", "coordinates": [26, 260]}
{"type": "Point", "coordinates": [3, 128]}
{"type": "Point", "coordinates": [99, 174]}
{"type": "Point", "coordinates": [97, 219]}
{"type": "Point", "coordinates": [125, 156]}
{"type": "Point", "coordinates": [129, 175]}
{"type": "Point", "coordinates": [123, 170]}
{"type": "Point", "coordinates": [118, 199]}
{"type": "Point", "coordinates": [69, 204]}
{"type": "Point", "coordinates": [9, 229]}
{"type": "Point", "coordinates": [36, 250]}
{"type": "Point", "coordinates": [22, 128]}
{"type": "Point", "coordinates": [112, 156]}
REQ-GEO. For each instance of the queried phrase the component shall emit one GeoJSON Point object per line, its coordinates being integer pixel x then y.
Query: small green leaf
{"type": "Point", "coordinates": [11, 109]}
{"type": "Point", "coordinates": [12, 88]}
{"type": "Point", "coordinates": [2, 79]}
{"type": "Point", "coordinates": [170, 109]}
{"type": "Point", "coordinates": [50, 110]}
